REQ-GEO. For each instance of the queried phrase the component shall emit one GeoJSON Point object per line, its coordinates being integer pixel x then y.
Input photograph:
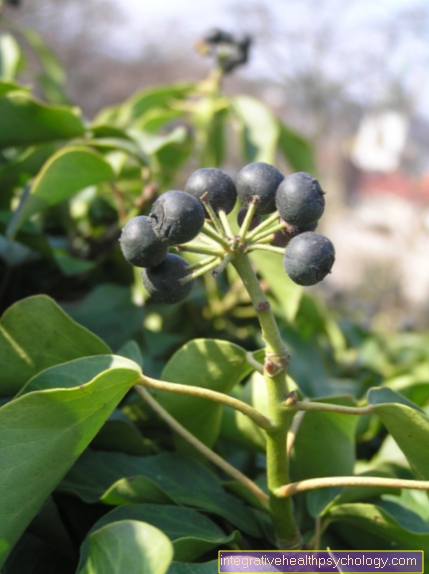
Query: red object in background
{"type": "Point", "coordinates": [396, 183]}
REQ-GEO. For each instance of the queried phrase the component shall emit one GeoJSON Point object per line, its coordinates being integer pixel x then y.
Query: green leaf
{"type": "Point", "coordinates": [183, 481]}
{"type": "Point", "coordinates": [191, 533]}
{"type": "Point", "coordinates": [6, 87]}
{"type": "Point", "coordinates": [206, 363]}
{"type": "Point", "coordinates": [144, 100]}
{"type": "Point", "coordinates": [118, 144]}
{"type": "Point", "coordinates": [259, 129]}
{"type": "Point", "coordinates": [297, 151]}
{"type": "Point", "coordinates": [26, 121]}
{"type": "Point", "coordinates": [26, 348]}
{"type": "Point", "coordinates": [44, 431]}
{"type": "Point", "coordinates": [325, 443]}
{"type": "Point", "coordinates": [129, 547]}
{"type": "Point", "coordinates": [154, 143]}
{"type": "Point", "coordinates": [18, 172]}
{"type": "Point", "coordinates": [121, 435]}
{"type": "Point", "coordinates": [399, 527]}
{"type": "Point", "coordinates": [408, 426]}
{"type": "Point", "coordinates": [10, 57]}
{"type": "Point", "coordinates": [28, 235]}
{"type": "Point", "coordinates": [109, 312]}
{"type": "Point", "coordinates": [64, 174]}
{"type": "Point", "coordinates": [287, 293]}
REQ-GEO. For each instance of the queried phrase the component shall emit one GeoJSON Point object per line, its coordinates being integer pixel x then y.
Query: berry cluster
{"type": "Point", "coordinates": [295, 203]}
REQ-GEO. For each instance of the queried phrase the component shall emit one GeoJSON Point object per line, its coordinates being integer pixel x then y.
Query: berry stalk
{"type": "Point", "coordinates": [276, 361]}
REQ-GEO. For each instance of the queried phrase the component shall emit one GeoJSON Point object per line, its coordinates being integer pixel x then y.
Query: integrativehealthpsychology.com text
{"type": "Point", "coordinates": [387, 561]}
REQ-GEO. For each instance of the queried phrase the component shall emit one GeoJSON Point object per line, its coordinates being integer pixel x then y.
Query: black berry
{"type": "Point", "coordinates": [300, 200]}
{"type": "Point", "coordinates": [177, 217]}
{"type": "Point", "coordinates": [256, 219]}
{"type": "Point", "coordinates": [218, 186]}
{"type": "Point", "coordinates": [163, 282]}
{"type": "Point", "coordinates": [140, 244]}
{"type": "Point", "coordinates": [309, 258]}
{"type": "Point", "coordinates": [261, 180]}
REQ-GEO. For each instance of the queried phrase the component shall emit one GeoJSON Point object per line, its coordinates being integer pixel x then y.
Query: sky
{"type": "Point", "coordinates": [166, 23]}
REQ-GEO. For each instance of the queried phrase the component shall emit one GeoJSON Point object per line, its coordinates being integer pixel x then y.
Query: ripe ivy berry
{"type": "Point", "coordinates": [300, 200]}
{"type": "Point", "coordinates": [163, 281]}
{"type": "Point", "coordinates": [177, 217]}
{"type": "Point", "coordinates": [140, 244]}
{"type": "Point", "coordinates": [261, 180]}
{"type": "Point", "coordinates": [218, 186]}
{"type": "Point", "coordinates": [309, 258]}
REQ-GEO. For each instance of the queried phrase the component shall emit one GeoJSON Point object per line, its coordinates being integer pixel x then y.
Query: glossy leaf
{"type": "Point", "coordinates": [119, 144]}
{"type": "Point", "coordinates": [129, 547]}
{"type": "Point", "coordinates": [67, 172]}
{"type": "Point", "coordinates": [144, 100]}
{"type": "Point", "coordinates": [259, 129]}
{"type": "Point", "coordinates": [45, 429]}
{"type": "Point", "coordinates": [26, 121]}
{"type": "Point", "coordinates": [191, 533]}
{"type": "Point", "coordinates": [183, 481]}
{"type": "Point", "coordinates": [400, 528]}
{"type": "Point", "coordinates": [325, 443]}
{"type": "Point", "coordinates": [206, 363]}
{"type": "Point", "coordinates": [26, 348]}
{"type": "Point", "coordinates": [296, 150]}
{"type": "Point", "coordinates": [408, 426]}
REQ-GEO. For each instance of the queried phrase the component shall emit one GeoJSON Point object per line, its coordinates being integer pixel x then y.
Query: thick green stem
{"type": "Point", "coordinates": [276, 360]}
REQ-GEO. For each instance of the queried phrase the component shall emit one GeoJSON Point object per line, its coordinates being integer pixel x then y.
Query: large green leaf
{"type": "Point", "coordinates": [191, 533]}
{"type": "Point", "coordinates": [36, 334]}
{"type": "Point", "coordinates": [297, 150]}
{"type": "Point", "coordinates": [26, 121]}
{"type": "Point", "coordinates": [206, 363]}
{"type": "Point", "coordinates": [144, 100]}
{"type": "Point", "coordinates": [325, 443]}
{"type": "Point", "coordinates": [128, 547]}
{"type": "Point", "coordinates": [67, 172]}
{"type": "Point", "coordinates": [408, 426]}
{"type": "Point", "coordinates": [364, 526]}
{"type": "Point", "coordinates": [182, 480]}
{"type": "Point", "coordinates": [6, 87]}
{"type": "Point", "coordinates": [259, 129]}
{"type": "Point", "coordinates": [287, 293]}
{"type": "Point", "coordinates": [43, 432]}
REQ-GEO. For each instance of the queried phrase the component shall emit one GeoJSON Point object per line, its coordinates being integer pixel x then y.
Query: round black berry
{"type": "Point", "coordinates": [256, 219]}
{"type": "Point", "coordinates": [309, 258]}
{"type": "Point", "coordinates": [163, 282]}
{"type": "Point", "coordinates": [261, 180]}
{"type": "Point", "coordinates": [140, 244]}
{"type": "Point", "coordinates": [177, 217]}
{"type": "Point", "coordinates": [218, 186]}
{"type": "Point", "coordinates": [300, 200]}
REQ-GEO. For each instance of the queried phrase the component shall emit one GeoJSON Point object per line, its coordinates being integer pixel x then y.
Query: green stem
{"type": "Point", "coordinates": [267, 232]}
{"type": "Point", "coordinates": [276, 360]}
{"type": "Point", "coordinates": [263, 247]}
{"type": "Point", "coordinates": [263, 225]}
{"type": "Point", "coordinates": [328, 407]}
{"type": "Point", "coordinates": [202, 249]}
{"type": "Point", "coordinates": [257, 417]}
{"type": "Point", "coordinates": [224, 220]}
{"type": "Point", "coordinates": [213, 234]}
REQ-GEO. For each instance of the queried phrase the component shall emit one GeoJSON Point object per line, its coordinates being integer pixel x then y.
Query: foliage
{"type": "Point", "coordinates": [92, 479]}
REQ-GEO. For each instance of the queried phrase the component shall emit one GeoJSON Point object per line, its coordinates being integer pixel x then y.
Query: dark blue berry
{"type": "Point", "coordinates": [177, 217]}
{"type": "Point", "coordinates": [309, 258]}
{"type": "Point", "coordinates": [300, 200]}
{"type": "Point", "coordinates": [261, 180]}
{"type": "Point", "coordinates": [140, 244]}
{"type": "Point", "coordinates": [163, 282]}
{"type": "Point", "coordinates": [218, 186]}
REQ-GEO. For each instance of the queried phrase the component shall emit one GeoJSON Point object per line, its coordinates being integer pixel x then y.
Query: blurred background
{"type": "Point", "coordinates": [350, 77]}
